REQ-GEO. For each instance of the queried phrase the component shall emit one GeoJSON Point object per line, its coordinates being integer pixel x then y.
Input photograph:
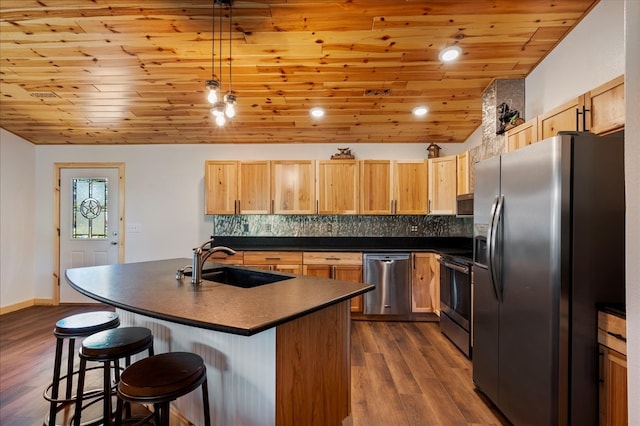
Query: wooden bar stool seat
{"type": "Point", "coordinates": [108, 347]}
{"type": "Point", "coordinates": [160, 379]}
{"type": "Point", "coordinates": [72, 327]}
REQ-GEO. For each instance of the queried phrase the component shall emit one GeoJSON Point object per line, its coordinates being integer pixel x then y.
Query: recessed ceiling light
{"type": "Point", "coordinates": [450, 54]}
{"type": "Point", "coordinates": [316, 112]}
{"type": "Point", "coordinates": [420, 111]}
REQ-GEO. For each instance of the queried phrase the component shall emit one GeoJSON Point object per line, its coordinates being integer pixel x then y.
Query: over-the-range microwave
{"type": "Point", "coordinates": [464, 205]}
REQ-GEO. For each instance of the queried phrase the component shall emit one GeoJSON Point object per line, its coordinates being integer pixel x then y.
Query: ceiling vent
{"type": "Point", "coordinates": [42, 95]}
{"type": "Point", "coordinates": [377, 92]}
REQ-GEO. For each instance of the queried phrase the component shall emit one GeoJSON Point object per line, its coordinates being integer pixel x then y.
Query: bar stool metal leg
{"type": "Point", "coordinates": [108, 347]}
{"type": "Point", "coordinates": [70, 328]}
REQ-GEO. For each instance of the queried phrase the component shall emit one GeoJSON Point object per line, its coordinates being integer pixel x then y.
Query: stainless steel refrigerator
{"type": "Point", "coordinates": [548, 246]}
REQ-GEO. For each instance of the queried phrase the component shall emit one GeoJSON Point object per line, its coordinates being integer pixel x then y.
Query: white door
{"type": "Point", "coordinates": [88, 223]}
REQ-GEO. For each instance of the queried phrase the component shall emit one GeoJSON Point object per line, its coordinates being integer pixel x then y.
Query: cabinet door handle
{"type": "Point", "coordinates": [617, 336]}
{"type": "Point", "coordinates": [272, 258]}
{"type": "Point", "coordinates": [331, 258]}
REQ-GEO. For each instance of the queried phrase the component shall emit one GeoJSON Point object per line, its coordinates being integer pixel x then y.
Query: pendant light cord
{"type": "Point", "coordinates": [213, 39]}
{"type": "Point", "coordinates": [230, 55]}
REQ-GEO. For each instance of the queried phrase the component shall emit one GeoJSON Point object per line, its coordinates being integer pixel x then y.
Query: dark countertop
{"type": "Point", "coordinates": [617, 309]}
{"type": "Point", "coordinates": [150, 288]}
{"type": "Point", "coordinates": [447, 245]}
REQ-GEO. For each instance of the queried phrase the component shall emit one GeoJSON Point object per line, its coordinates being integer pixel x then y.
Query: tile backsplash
{"type": "Point", "coordinates": [342, 226]}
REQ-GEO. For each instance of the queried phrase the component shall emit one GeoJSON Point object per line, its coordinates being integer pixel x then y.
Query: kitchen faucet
{"type": "Point", "coordinates": [200, 256]}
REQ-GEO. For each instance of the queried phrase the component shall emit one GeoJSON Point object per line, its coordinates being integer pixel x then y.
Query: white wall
{"type": "Point", "coordinates": [632, 175]}
{"type": "Point", "coordinates": [17, 215]}
{"type": "Point", "coordinates": [592, 54]}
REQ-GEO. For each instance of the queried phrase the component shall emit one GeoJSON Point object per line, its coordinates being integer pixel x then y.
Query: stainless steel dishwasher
{"type": "Point", "coordinates": [391, 274]}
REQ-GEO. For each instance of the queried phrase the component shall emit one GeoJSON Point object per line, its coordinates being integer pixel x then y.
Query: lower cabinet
{"type": "Point", "coordinates": [281, 261]}
{"type": "Point", "coordinates": [613, 370]}
{"type": "Point", "coordinates": [425, 283]}
{"type": "Point", "coordinates": [336, 265]}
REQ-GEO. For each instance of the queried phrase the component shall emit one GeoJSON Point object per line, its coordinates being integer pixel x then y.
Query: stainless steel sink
{"type": "Point", "coordinates": [240, 277]}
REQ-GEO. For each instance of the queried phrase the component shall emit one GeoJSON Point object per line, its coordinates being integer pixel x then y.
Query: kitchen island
{"type": "Point", "coordinates": [276, 354]}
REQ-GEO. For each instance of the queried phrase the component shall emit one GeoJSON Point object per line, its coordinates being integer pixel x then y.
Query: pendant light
{"type": "Point", "coordinates": [222, 107]}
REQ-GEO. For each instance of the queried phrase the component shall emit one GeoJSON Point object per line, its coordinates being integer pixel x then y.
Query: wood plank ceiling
{"type": "Point", "coordinates": [127, 72]}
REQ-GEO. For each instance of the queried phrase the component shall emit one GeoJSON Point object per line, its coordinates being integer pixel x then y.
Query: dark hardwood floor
{"type": "Point", "coordinates": [402, 373]}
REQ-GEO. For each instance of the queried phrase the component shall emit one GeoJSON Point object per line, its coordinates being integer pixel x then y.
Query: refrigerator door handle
{"type": "Point", "coordinates": [492, 216]}
{"type": "Point", "coordinates": [494, 261]}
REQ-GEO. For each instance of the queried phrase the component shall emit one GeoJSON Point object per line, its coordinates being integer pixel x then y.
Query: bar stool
{"type": "Point", "coordinates": [160, 379]}
{"type": "Point", "coordinates": [72, 327]}
{"type": "Point", "coordinates": [109, 347]}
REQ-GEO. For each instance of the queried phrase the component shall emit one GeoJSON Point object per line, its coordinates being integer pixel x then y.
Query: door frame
{"type": "Point", "coordinates": [56, 215]}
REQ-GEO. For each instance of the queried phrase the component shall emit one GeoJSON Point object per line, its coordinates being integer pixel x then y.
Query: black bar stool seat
{"type": "Point", "coordinates": [72, 327]}
{"type": "Point", "coordinates": [109, 347]}
{"type": "Point", "coordinates": [160, 379]}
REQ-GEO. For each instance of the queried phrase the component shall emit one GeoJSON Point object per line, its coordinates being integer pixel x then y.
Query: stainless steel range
{"type": "Point", "coordinates": [456, 299]}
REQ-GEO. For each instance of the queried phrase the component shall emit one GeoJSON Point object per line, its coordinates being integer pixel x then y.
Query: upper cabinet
{"type": "Point", "coordinates": [221, 187]}
{"type": "Point", "coordinates": [393, 187]}
{"type": "Point", "coordinates": [566, 117]}
{"type": "Point", "coordinates": [376, 187]}
{"type": "Point", "coordinates": [463, 174]}
{"type": "Point", "coordinates": [337, 186]}
{"type": "Point", "coordinates": [606, 107]}
{"type": "Point", "coordinates": [253, 187]}
{"type": "Point", "coordinates": [410, 188]}
{"type": "Point", "coordinates": [293, 187]}
{"type": "Point", "coordinates": [523, 135]}
{"type": "Point", "coordinates": [442, 185]}
{"type": "Point", "coordinates": [233, 187]}
{"type": "Point", "coordinates": [599, 111]}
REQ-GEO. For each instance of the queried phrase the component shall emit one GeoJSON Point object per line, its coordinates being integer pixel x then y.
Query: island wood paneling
{"type": "Point", "coordinates": [312, 373]}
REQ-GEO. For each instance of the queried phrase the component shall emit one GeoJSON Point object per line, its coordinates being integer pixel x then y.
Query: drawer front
{"type": "Point", "coordinates": [331, 258]}
{"type": "Point", "coordinates": [273, 257]}
{"type": "Point", "coordinates": [221, 257]}
{"type": "Point", "coordinates": [612, 332]}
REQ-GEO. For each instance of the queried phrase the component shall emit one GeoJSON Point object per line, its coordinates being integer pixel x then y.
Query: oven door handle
{"type": "Point", "coordinates": [463, 269]}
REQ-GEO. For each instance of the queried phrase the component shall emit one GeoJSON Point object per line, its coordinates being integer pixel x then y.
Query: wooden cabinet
{"type": "Point", "coordinates": [376, 187]}
{"type": "Point", "coordinates": [566, 117]}
{"type": "Point", "coordinates": [221, 187]}
{"type": "Point", "coordinates": [233, 187]}
{"type": "Point", "coordinates": [612, 336]}
{"type": "Point", "coordinates": [393, 187]}
{"type": "Point", "coordinates": [254, 181]}
{"type": "Point", "coordinates": [442, 185]}
{"type": "Point", "coordinates": [600, 111]}
{"type": "Point", "coordinates": [606, 108]}
{"type": "Point", "coordinates": [410, 188]}
{"type": "Point", "coordinates": [282, 261]}
{"type": "Point", "coordinates": [221, 257]}
{"type": "Point", "coordinates": [425, 283]}
{"type": "Point", "coordinates": [522, 135]}
{"type": "Point", "coordinates": [293, 187]}
{"type": "Point", "coordinates": [336, 265]}
{"type": "Point", "coordinates": [463, 173]}
{"type": "Point", "coordinates": [337, 187]}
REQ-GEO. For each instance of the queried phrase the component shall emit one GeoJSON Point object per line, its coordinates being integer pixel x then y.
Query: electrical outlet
{"type": "Point", "coordinates": [329, 228]}
{"type": "Point", "coordinates": [414, 228]}
{"type": "Point", "coordinates": [245, 227]}
{"type": "Point", "coordinates": [267, 227]}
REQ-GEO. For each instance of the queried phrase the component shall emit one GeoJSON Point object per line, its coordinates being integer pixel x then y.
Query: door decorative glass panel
{"type": "Point", "coordinates": [89, 208]}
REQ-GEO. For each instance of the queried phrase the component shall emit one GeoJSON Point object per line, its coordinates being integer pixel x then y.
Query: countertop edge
{"type": "Point", "coordinates": [227, 327]}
